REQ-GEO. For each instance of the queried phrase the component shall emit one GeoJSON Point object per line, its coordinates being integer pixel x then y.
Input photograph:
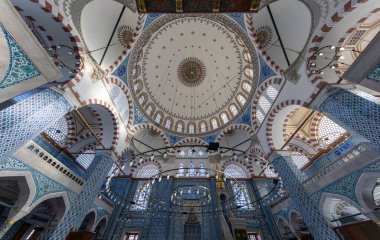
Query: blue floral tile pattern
{"type": "Point", "coordinates": [21, 67]}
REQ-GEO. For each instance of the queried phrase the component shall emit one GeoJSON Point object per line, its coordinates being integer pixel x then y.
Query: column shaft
{"type": "Point", "coordinates": [24, 120]}
{"type": "Point", "coordinates": [98, 171]}
{"type": "Point", "coordinates": [353, 112]}
{"type": "Point", "coordinates": [292, 179]}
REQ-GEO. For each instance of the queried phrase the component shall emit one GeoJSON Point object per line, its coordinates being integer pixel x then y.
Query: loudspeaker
{"type": "Point", "coordinates": [213, 146]}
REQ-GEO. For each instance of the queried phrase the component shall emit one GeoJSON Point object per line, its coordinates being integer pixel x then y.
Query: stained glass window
{"type": "Point", "coordinates": [85, 159]}
{"type": "Point", "coordinates": [203, 127]}
{"type": "Point", "coordinates": [329, 131]}
{"type": "Point", "coordinates": [141, 197]}
{"type": "Point", "coordinates": [179, 127]}
{"type": "Point", "coordinates": [224, 117]}
{"type": "Point", "coordinates": [235, 171]}
{"type": "Point", "coordinates": [147, 171]}
{"type": "Point", "coordinates": [247, 87]}
{"type": "Point", "coordinates": [241, 99]}
{"type": "Point", "coordinates": [299, 159]}
{"type": "Point", "coordinates": [242, 198]}
{"type": "Point", "coordinates": [264, 104]}
{"type": "Point", "coordinates": [260, 116]}
{"type": "Point", "coordinates": [233, 110]}
{"type": "Point", "coordinates": [214, 124]}
{"type": "Point", "coordinates": [272, 92]}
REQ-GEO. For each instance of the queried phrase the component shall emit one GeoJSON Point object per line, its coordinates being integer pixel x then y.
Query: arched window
{"type": "Point", "coordinates": [137, 86]}
{"type": "Point", "coordinates": [85, 159]}
{"type": "Point", "coordinates": [141, 197]}
{"type": "Point", "coordinates": [240, 41]}
{"type": "Point", "coordinates": [149, 109]}
{"type": "Point", "coordinates": [181, 170]}
{"type": "Point", "coordinates": [224, 118]}
{"type": "Point", "coordinates": [235, 171]}
{"type": "Point", "coordinates": [233, 110]}
{"type": "Point", "coordinates": [168, 123]}
{"type": "Point", "coordinates": [147, 171]}
{"type": "Point", "coordinates": [329, 131]}
{"type": "Point", "coordinates": [246, 56]}
{"type": "Point", "coordinates": [260, 116]}
{"type": "Point", "coordinates": [247, 87]}
{"type": "Point", "coordinates": [191, 128]}
{"type": "Point", "coordinates": [158, 118]}
{"type": "Point", "coordinates": [202, 170]}
{"type": "Point", "coordinates": [192, 172]}
{"type": "Point", "coordinates": [142, 99]}
{"type": "Point", "coordinates": [242, 197]}
{"type": "Point", "coordinates": [299, 159]}
{"type": "Point", "coordinates": [179, 127]}
{"type": "Point", "coordinates": [214, 123]}
{"type": "Point", "coordinates": [265, 102]}
{"type": "Point", "coordinates": [241, 99]}
{"type": "Point", "coordinates": [272, 92]}
{"type": "Point", "coordinates": [248, 72]}
{"type": "Point", "coordinates": [203, 127]}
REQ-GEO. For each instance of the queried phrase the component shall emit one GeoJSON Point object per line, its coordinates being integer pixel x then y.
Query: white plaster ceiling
{"type": "Point", "coordinates": [215, 45]}
{"type": "Point", "coordinates": [99, 18]}
{"type": "Point", "coordinates": [148, 139]}
{"type": "Point", "coordinates": [234, 139]}
{"type": "Point", "coordinates": [50, 32]}
{"type": "Point", "coordinates": [208, 42]}
{"type": "Point", "coordinates": [293, 21]}
{"type": "Point", "coordinates": [340, 30]}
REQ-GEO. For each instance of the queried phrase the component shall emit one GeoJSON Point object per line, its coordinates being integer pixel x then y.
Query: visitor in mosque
{"type": "Point", "coordinates": [189, 120]}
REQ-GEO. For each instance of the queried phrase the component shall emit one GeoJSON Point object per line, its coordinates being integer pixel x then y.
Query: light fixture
{"type": "Point", "coordinates": [332, 47]}
{"type": "Point", "coordinates": [152, 157]}
{"type": "Point", "coordinates": [141, 159]}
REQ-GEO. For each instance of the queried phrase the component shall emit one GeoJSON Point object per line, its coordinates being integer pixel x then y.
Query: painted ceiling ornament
{"type": "Point", "coordinates": [125, 35]}
{"type": "Point", "coordinates": [192, 69]}
{"type": "Point", "coordinates": [264, 36]}
{"type": "Point", "coordinates": [191, 72]}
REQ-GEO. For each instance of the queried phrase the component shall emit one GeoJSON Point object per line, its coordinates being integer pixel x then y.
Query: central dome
{"type": "Point", "coordinates": [191, 72]}
{"type": "Point", "coordinates": [187, 70]}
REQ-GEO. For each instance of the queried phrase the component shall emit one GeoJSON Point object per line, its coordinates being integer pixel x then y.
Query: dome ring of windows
{"type": "Point", "coordinates": [196, 193]}
{"type": "Point", "coordinates": [204, 114]}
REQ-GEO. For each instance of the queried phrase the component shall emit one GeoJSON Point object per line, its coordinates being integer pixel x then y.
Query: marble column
{"type": "Point", "coordinates": [292, 179]}
{"type": "Point", "coordinates": [5, 227]}
{"type": "Point", "coordinates": [25, 120]}
{"type": "Point", "coordinates": [96, 174]}
{"type": "Point", "coordinates": [352, 112]}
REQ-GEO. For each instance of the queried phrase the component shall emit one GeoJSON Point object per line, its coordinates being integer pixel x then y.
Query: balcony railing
{"type": "Point", "coordinates": [41, 160]}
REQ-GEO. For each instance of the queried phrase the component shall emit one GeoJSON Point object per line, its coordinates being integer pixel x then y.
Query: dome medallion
{"type": "Point", "coordinates": [188, 73]}
{"type": "Point", "coordinates": [191, 72]}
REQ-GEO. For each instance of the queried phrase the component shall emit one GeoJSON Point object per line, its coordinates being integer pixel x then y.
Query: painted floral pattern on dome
{"type": "Point", "coordinates": [21, 67]}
